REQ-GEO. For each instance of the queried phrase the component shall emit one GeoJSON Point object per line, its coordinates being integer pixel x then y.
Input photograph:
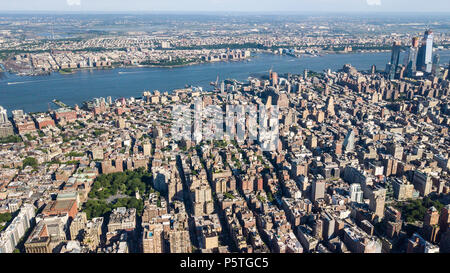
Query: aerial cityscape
{"type": "Point", "coordinates": [224, 132]}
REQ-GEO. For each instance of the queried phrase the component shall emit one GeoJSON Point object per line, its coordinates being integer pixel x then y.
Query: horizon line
{"type": "Point", "coordinates": [280, 12]}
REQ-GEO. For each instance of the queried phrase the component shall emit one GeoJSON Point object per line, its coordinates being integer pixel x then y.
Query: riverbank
{"type": "Point", "coordinates": [33, 93]}
{"type": "Point", "coordinates": [162, 65]}
{"type": "Point", "coordinates": [75, 70]}
{"type": "Point", "coordinates": [195, 63]}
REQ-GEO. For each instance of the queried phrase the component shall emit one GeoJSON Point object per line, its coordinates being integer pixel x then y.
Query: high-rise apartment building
{"type": "Point", "coordinates": [3, 115]}
{"type": "Point", "coordinates": [377, 198]}
{"type": "Point", "coordinates": [153, 239]}
{"type": "Point", "coordinates": [330, 106]}
{"type": "Point", "coordinates": [422, 182]}
{"type": "Point", "coordinates": [356, 193]}
{"type": "Point", "coordinates": [179, 241]}
{"type": "Point", "coordinates": [6, 128]}
{"type": "Point", "coordinates": [317, 189]}
{"type": "Point", "coordinates": [78, 224]}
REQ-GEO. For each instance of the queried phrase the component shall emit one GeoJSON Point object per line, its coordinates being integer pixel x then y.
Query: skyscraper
{"type": "Point", "coordinates": [330, 106]}
{"type": "Point", "coordinates": [222, 87]}
{"type": "Point", "coordinates": [377, 197]}
{"type": "Point", "coordinates": [447, 76]}
{"type": "Point", "coordinates": [421, 58]}
{"type": "Point", "coordinates": [3, 115]}
{"type": "Point", "coordinates": [422, 182]}
{"type": "Point", "coordinates": [411, 61]}
{"type": "Point", "coordinates": [436, 70]}
{"type": "Point", "coordinates": [395, 58]}
{"type": "Point", "coordinates": [6, 128]}
{"type": "Point", "coordinates": [425, 55]}
{"type": "Point", "coordinates": [428, 50]}
{"type": "Point", "coordinates": [273, 77]}
{"type": "Point", "coordinates": [356, 193]}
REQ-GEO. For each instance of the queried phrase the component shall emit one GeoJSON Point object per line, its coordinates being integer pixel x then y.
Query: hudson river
{"type": "Point", "coordinates": [32, 94]}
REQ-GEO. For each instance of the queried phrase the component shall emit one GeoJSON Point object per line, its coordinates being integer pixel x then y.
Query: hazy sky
{"type": "Point", "coordinates": [228, 5]}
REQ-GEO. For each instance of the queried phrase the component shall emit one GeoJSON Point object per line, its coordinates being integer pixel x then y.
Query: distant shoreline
{"type": "Point", "coordinates": [134, 66]}
{"type": "Point", "coordinates": [75, 70]}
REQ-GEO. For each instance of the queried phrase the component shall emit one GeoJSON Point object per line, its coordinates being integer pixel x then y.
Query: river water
{"type": "Point", "coordinates": [33, 93]}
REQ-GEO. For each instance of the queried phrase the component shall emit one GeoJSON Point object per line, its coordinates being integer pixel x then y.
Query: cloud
{"type": "Point", "coordinates": [373, 2]}
{"type": "Point", "coordinates": [74, 2]}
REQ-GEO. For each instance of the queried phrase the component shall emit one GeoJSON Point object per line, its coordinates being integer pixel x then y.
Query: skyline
{"type": "Point", "coordinates": [253, 6]}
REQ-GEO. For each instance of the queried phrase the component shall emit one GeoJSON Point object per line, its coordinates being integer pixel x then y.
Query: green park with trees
{"type": "Point", "coordinates": [415, 210]}
{"type": "Point", "coordinates": [10, 139]}
{"type": "Point", "coordinates": [30, 161]}
{"type": "Point", "coordinates": [4, 218]}
{"type": "Point", "coordinates": [122, 188]}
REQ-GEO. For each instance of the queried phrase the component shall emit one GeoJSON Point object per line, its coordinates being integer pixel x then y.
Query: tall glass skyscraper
{"type": "Point", "coordinates": [436, 70]}
{"type": "Point", "coordinates": [395, 58]}
{"type": "Point", "coordinates": [429, 50]}
{"type": "Point", "coordinates": [411, 59]}
{"type": "Point", "coordinates": [425, 55]}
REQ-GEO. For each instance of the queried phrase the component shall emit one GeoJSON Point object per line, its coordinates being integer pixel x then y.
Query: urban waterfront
{"type": "Point", "coordinates": [33, 93]}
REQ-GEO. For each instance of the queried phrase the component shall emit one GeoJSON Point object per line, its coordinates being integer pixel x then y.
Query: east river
{"type": "Point", "coordinates": [33, 93]}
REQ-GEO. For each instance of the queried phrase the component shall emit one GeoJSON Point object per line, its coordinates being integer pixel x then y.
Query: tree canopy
{"type": "Point", "coordinates": [124, 183]}
{"type": "Point", "coordinates": [30, 161]}
{"type": "Point", "coordinates": [127, 183]}
{"type": "Point", "coordinates": [415, 210]}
